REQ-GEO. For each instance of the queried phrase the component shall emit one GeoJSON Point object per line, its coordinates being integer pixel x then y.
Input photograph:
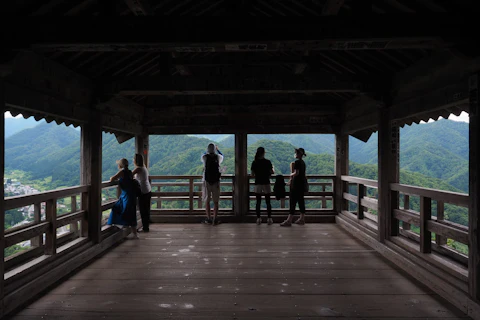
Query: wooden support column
{"type": "Point", "coordinates": [341, 168]}
{"type": "Point", "coordinates": [142, 147]}
{"type": "Point", "coordinates": [241, 198]}
{"type": "Point", "coordinates": [91, 174]}
{"type": "Point", "coordinates": [2, 196]}
{"type": "Point", "coordinates": [388, 172]}
{"type": "Point", "coordinates": [474, 191]}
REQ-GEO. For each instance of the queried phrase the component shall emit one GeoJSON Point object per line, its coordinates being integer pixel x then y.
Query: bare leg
{"type": "Point", "coordinates": [207, 209]}
{"type": "Point", "coordinates": [134, 232]}
{"type": "Point", "coordinates": [215, 210]}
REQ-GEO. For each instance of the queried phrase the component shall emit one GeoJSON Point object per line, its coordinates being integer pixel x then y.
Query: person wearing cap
{"type": "Point", "coordinates": [298, 182]}
{"type": "Point", "coordinates": [211, 181]}
{"type": "Point", "coordinates": [124, 211]}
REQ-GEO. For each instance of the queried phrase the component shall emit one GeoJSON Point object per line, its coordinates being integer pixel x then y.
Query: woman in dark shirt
{"type": "Point", "coordinates": [262, 169]}
{"type": "Point", "coordinates": [298, 181]}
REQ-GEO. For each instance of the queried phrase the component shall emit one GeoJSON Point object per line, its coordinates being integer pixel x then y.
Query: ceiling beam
{"type": "Point", "coordinates": [205, 35]}
{"type": "Point", "coordinates": [140, 7]}
{"type": "Point", "coordinates": [332, 7]}
{"type": "Point", "coordinates": [153, 85]}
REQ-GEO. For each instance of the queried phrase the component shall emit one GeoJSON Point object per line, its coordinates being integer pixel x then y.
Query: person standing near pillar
{"type": "Point", "coordinates": [262, 170]}
{"type": "Point", "coordinates": [298, 186]}
{"type": "Point", "coordinates": [211, 181]}
{"type": "Point", "coordinates": [140, 173]}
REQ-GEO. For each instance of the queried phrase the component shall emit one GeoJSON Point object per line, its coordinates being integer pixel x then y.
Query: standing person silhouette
{"type": "Point", "coordinates": [140, 173]}
{"type": "Point", "coordinates": [262, 169]}
{"type": "Point", "coordinates": [298, 182]}
{"type": "Point", "coordinates": [124, 211]}
{"type": "Point", "coordinates": [211, 181]}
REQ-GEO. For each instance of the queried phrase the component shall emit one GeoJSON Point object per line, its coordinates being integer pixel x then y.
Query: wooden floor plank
{"type": "Point", "coordinates": [240, 271]}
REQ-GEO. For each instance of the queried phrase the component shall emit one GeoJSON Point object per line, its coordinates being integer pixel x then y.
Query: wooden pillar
{"type": "Point", "coordinates": [388, 172]}
{"type": "Point", "coordinates": [474, 191]}
{"type": "Point", "coordinates": [2, 196]}
{"type": "Point", "coordinates": [91, 174]}
{"type": "Point", "coordinates": [241, 191]}
{"type": "Point", "coordinates": [141, 146]}
{"type": "Point", "coordinates": [341, 169]}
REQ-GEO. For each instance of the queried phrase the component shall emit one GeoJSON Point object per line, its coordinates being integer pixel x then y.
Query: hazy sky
{"type": "Point", "coordinates": [463, 117]}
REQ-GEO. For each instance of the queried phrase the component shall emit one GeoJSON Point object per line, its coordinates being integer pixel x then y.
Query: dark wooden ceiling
{"type": "Point", "coordinates": [275, 52]}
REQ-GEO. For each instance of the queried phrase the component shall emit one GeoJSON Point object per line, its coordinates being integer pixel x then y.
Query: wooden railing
{"type": "Point", "coordinates": [320, 191]}
{"type": "Point", "coordinates": [42, 232]}
{"type": "Point", "coordinates": [109, 198]}
{"type": "Point", "coordinates": [365, 199]}
{"type": "Point", "coordinates": [188, 191]}
{"type": "Point", "coordinates": [429, 224]}
{"type": "Point", "coordinates": [415, 228]}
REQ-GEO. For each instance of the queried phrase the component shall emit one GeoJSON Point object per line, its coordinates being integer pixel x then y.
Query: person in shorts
{"type": "Point", "coordinates": [262, 170]}
{"type": "Point", "coordinates": [211, 181]}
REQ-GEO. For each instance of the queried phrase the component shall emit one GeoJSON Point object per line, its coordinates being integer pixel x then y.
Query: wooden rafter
{"type": "Point", "coordinates": [236, 85]}
{"type": "Point", "coordinates": [328, 33]}
{"type": "Point", "coordinates": [332, 7]}
{"type": "Point", "coordinates": [140, 7]}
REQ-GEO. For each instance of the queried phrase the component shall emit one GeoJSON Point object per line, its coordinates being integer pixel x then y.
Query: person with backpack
{"type": "Point", "coordinates": [262, 169]}
{"type": "Point", "coordinates": [298, 187]}
{"type": "Point", "coordinates": [211, 181]}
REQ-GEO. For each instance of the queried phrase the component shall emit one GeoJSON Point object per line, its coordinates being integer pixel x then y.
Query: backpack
{"type": "Point", "coordinates": [279, 187]}
{"type": "Point", "coordinates": [212, 169]}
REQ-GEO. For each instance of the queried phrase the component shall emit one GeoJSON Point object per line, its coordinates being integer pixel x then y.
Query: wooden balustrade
{"type": "Point", "coordinates": [428, 224]}
{"type": "Point", "coordinates": [187, 188]}
{"type": "Point", "coordinates": [363, 200]}
{"type": "Point", "coordinates": [42, 233]}
{"type": "Point", "coordinates": [322, 196]}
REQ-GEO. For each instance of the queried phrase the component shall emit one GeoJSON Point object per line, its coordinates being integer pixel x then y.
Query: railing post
{"type": "Point", "coordinates": [159, 202]}
{"type": "Point", "coordinates": [91, 174]}
{"type": "Point", "coordinates": [324, 200]}
{"type": "Point", "coordinates": [474, 191]}
{"type": "Point", "coordinates": [190, 191]}
{"type": "Point", "coordinates": [425, 216]}
{"type": "Point", "coordinates": [388, 172]}
{"type": "Point", "coordinates": [360, 194]}
{"type": "Point", "coordinates": [341, 168]}
{"type": "Point", "coordinates": [37, 217]}
{"type": "Point", "coordinates": [73, 206]}
{"type": "Point", "coordinates": [2, 195]}
{"type": "Point", "coordinates": [440, 240]}
{"type": "Point", "coordinates": [241, 195]}
{"type": "Point", "coordinates": [51, 235]}
{"type": "Point", "coordinates": [406, 206]}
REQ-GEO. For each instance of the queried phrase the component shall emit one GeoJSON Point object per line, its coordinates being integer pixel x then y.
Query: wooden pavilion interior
{"type": "Point", "coordinates": [342, 67]}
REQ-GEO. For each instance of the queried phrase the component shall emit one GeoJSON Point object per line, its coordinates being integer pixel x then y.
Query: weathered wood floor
{"type": "Point", "coordinates": [240, 271]}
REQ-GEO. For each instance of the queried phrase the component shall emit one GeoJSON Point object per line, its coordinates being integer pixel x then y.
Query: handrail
{"type": "Point", "coordinates": [366, 182]}
{"type": "Point", "coordinates": [29, 199]}
{"type": "Point", "coordinates": [460, 199]}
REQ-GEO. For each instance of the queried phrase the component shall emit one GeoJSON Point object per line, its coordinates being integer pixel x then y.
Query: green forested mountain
{"type": "Point", "coordinates": [52, 153]}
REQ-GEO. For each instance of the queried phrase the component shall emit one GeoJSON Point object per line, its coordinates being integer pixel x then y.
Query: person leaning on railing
{"type": "Point", "coordinates": [298, 186]}
{"type": "Point", "coordinates": [124, 211]}
{"type": "Point", "coordinates": [140, 173]}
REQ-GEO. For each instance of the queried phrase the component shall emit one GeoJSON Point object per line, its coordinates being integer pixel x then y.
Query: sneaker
{"type": "Point", "coordinates": [300, 222]}
{"type": "Point", "coordinates": [286, 223]}
{"type": "Point", "coordinates": [269, 221]}
{"type": "Point", "coordinates": [259, 221]}
{"type": "Point", "coordinates": [207, 221]}
{"type": "Point", "coordinates": [215, 222]}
